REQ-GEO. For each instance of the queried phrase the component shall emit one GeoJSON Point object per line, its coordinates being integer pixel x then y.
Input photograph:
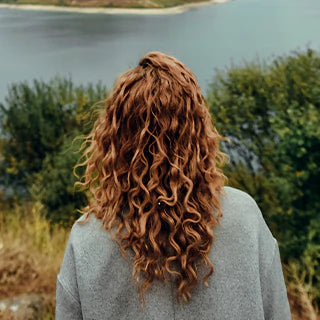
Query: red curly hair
{"type": "Point", "coordinates": [153, 166]}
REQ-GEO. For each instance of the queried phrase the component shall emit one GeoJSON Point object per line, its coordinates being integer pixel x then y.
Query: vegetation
{"type": "Point", "coordinates": [269, 112]}
{"type": "Point", "coordinates": [38, 145]}
{"type": "Point", "coordinates": [31, 252]}
{"type": "Point", "coordinates": [107, 3]}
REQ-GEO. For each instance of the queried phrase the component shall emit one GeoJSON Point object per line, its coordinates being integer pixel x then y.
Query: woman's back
{"type": "Point", "coordinates": [95, 281]}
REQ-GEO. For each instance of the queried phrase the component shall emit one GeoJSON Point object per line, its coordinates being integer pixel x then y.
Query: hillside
{"type": "Point", "coordinates": [107, 3]}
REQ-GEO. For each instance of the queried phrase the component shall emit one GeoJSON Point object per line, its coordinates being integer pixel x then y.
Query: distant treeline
{"type": "Point", "coordinates": [106, 3]}
{"type": "Point", "coordinates": [270, 112]}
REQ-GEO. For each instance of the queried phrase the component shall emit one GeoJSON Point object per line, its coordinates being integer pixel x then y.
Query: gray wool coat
{"type": "Point", "coordinates": [94, 282]}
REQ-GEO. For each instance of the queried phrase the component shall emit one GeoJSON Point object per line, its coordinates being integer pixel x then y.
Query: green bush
{"type": "Point", "coordinates": [39, 123]}
{"type": "Point", "coordinates": [271, 113]}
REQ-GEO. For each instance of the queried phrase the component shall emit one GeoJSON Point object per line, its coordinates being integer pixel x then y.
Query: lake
{"type": "Point", "coordinates": [92, 47]}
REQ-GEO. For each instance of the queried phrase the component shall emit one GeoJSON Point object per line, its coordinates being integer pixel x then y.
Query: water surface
{"type": "Point", "coordinates": [92, 47]}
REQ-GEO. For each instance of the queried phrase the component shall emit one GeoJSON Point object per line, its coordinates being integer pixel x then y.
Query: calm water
{"type": "Point", "coordinates": [93, 47]}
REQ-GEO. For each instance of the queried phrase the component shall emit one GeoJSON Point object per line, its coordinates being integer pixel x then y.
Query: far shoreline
{"type": "Point", "coordinates": [143, 11]}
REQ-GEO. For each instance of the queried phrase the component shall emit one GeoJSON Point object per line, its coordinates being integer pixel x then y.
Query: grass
{"type": "Point", "coordinates": [301, 293]}
{"type": "Point", "coordinates": [31, 252]}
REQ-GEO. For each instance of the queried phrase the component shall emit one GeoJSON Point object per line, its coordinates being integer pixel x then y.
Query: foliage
{"type": "Point", "coordinates": [38, 124]}
{"type": "Point", "coordinates": [271, 113]}
{"type": "Point", "coordinates": [53, 184]}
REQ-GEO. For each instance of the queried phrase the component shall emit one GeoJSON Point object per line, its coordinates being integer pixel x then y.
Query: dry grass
{"type": "Point", "coordinates": [31, 252]}
{"type": "Point", "coordinates": [301, 294]}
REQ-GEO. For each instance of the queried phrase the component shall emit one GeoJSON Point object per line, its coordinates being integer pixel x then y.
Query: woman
{"type": "Point", "coordinates": [162, 237]}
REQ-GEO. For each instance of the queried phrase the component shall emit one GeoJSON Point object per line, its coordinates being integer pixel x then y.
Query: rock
{"type": "Point", "coordinates": [24, 306]}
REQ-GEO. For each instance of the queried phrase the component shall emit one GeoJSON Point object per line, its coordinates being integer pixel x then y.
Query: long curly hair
{"type": "Point", "coordinates": [153, 167]}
